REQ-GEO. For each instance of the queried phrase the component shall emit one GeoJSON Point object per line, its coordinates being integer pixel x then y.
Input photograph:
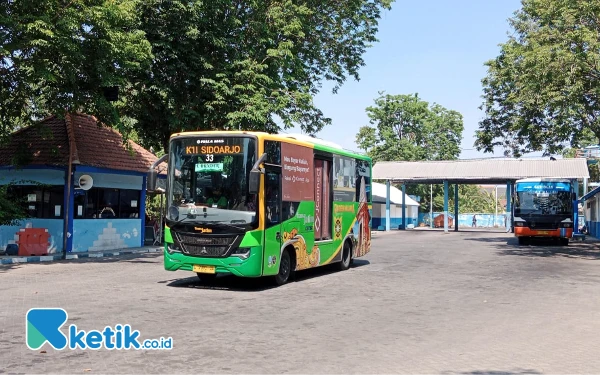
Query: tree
{"type": "Point", "coordinates": [11, 209]}
{"type": "Point", "coordinates": [227, 64]}
{"type": "Point", "coordinates": [60, 55]}
{"type": "Point", "coordinates": [408, 128]}
{"type": "Point", "coordinates": [543, 89]}
{"type": "Point", "coordinates": [471, 199]}
{"type": "Point", "coordinates": [405, 127]}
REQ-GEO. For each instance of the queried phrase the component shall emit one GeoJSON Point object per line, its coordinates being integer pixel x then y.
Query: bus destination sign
{"type": "Point", "coordinates": [213, 147]}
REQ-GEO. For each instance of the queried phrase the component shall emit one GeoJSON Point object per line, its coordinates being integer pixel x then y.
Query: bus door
{"type": "Point", "coordinates": [273, 234]}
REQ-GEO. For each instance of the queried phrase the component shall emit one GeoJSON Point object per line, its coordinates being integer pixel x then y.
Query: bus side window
{"type": "Point", "coordinates": [272, 198]}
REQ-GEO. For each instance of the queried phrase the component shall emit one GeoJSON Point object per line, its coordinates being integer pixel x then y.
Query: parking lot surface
{"type": "Point", "coordinates": [421, 302]}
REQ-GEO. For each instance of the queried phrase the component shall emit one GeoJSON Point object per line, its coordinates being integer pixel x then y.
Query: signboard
{"type": "Point", "coordinates": [297, 173]}
{"type": "Point", "coordinates": [209, 167]}
{"type": "Point", "coordinates": [543, 187]}
{"type": "Point", "coordinates": [215, 150]}
{"type": "Point", "coordinates": [215, 146]}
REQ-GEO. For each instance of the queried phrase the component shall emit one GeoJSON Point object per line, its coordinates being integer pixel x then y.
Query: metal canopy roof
{"type": "Point", "coordinates": [479, 171]}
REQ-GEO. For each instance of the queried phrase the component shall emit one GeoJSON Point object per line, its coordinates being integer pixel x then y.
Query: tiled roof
{"type": "Point", "coordinates": [92, 144]}
{"type": "Point", "coordinates": [479, 171]}
{"type": "Point", "coordinates": [45, 143]}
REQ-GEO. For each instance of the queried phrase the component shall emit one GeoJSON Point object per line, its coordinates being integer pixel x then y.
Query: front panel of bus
{"type": "Point", "coordinates": [543, 209]}
{"type": "Point", "coordinates": [212, 222]}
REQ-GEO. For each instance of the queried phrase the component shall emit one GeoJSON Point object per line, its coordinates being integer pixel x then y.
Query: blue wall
{"type": "Point", "coordinates": [106, 234]}
{"type": "Point", "coordinates": [43, 176]}
{"type": "Point", "coordinates": [113, 180]}
{"type": "Point", "coordinates": [466, 220]}
{"type": "Point", "coordinates": [87, 234]}
{"type": "Point", "coordinates": [395, 222]}
{"type": "Point", "coordinates": [54, 227]}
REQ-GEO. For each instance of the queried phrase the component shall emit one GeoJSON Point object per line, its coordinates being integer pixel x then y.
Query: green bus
{"type": "Point", "coordinates": [255, 204]}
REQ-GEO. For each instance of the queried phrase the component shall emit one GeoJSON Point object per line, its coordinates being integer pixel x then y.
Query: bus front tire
{"type": "Point", "coordinates": [522, 240]}
{"type": "Point", "coordinates": [285, 268]}
{"type": "Point", "coordinates": [564, 241]}
{"type": "Point", "coordinates": [346, 256]}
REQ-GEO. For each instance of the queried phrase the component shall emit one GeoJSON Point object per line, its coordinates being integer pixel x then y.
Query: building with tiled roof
{"type": "Point", "coordinates": [75, 176]}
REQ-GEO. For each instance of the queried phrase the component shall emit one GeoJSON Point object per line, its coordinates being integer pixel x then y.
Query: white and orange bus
{"type": "Point", "coordinates": [544, 207]}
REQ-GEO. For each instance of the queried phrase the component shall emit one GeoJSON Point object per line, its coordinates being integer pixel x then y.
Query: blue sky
{"type": "Point", "coordinates": [435, 48]}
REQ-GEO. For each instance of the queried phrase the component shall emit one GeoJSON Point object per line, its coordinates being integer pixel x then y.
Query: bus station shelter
{"type": "Point", "coordinates": [475, 172]}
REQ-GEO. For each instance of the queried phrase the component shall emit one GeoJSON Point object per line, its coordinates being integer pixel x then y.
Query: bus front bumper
{"type": "Point", "coordinates": [249, 267]}
{"type": "Point", "coordinates": [528, 232]}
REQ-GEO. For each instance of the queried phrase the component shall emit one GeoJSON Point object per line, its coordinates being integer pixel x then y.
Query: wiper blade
{"type": "Point", "coordinates": [192, 218]}
{"type": "Point", "coordinates": [225, 224]}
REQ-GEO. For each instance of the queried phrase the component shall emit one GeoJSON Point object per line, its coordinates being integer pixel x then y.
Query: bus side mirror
{"type": "Point", "coordinates": [151, 180]}
{"type": "Point", "coordinates": [254, 181]}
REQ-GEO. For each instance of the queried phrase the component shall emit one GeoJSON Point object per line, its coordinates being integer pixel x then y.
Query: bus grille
{"type": "Point", "coordinates": [206, 245]}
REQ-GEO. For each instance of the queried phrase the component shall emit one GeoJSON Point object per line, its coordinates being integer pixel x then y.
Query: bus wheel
{"type": "Point", "coordinates": [522, 240]}
{"type": "Point", "coordinates": [346, 256]}
{"type": "Point", "coordinates": [206, 277]}
{"type": "Point", "coordinates": [564, 241]}
{"type": "Point", "coordinates": [285, 268]}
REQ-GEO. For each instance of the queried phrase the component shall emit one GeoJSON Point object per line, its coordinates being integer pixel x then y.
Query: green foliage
{"type": "Point", "coordinates": [408, 128]}
{"type": "Point", "coordinates": [11, 206]}
{"type": "Point", "coordinates": [542, 91]}
{"type": "Point", "coordinates": [471, 199]}
{"type": "Point", "coordinates": [153, 206]}
{"type": "Point", "coordinates": [11, 212]}
{"type": "Point", "coordinates": [58, 55]}
{"type": "Point", "coordinates": [226, 65]}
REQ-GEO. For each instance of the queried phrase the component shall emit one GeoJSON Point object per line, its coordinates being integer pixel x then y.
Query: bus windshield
{"type": "Point", "coordinates": [208, 180]}
{"type": "Point", "coordinates": [543, 202]}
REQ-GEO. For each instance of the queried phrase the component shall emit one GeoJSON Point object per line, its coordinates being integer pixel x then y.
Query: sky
{"type": "Point", "coordinates": [435, 48]}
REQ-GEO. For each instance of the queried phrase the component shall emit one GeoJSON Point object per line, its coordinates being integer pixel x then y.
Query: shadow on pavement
{"type": "Point", "coordinates": [241, 284]}
{"type": "Point", "coordinates": [545, 248]}
{"type": "Point", "coordinates": [141, 258]}
{"type": "Point", "coordinates": [495, 372]}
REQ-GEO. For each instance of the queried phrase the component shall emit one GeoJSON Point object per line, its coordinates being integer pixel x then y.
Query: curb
{"type": "Point", "coordinates": [50, 258]}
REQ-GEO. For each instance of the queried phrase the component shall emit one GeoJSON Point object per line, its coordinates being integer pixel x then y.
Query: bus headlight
{"type": "Point", "coordinates": [173, 248]}
{"type": "Point", "coordinates": [519, 224]}
{"type": "Point", "coordinates": [241, 252]}
{"type": "Point", "coordinates": [566, 223]}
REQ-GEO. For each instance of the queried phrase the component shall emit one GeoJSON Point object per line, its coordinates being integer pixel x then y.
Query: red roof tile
{"type": "Point", "coordinates": [45, 143]}
{"type": "Point", "coordinates": [91, 143]}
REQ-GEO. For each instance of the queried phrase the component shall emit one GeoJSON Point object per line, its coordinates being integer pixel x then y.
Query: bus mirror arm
{"type": "Point", "coordinates": [153, 174]}
{"type": "Point", "coordinates": [254, 178]}
{"type": "Point", "coordinates": [259, 162]}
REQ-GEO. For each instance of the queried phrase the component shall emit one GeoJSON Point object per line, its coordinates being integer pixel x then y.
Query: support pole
{"type": "Point", "coordinates": [456, 207]}
{"type": "Point", "coordinates": [445, 206]}
{"type": "Point", "coordinates": [508, 206]}
{"type": "Point", "coordinates": [387, 205]}
{"type": "Point", "coordinates": [496, 202]}
{"type": "Point", "coordinates": [403, 206]}
{"type": "Point", "coordinates": [431, 206]}
{"type": "Point", "coordinates": [576, 207]}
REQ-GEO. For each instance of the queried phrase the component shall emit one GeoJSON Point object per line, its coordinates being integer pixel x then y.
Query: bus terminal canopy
{"type": "Point", "coordinates": [479, 171]}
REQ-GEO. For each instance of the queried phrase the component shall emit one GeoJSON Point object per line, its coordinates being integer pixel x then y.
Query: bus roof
{"type": "Point", "coordinates": [301, 138]}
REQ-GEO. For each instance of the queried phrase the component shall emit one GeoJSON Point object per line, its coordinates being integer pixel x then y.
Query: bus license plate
{"type": "Point", "coordinates": [543, 232]}
{"type": "Point", "coordinates": [203, 269]}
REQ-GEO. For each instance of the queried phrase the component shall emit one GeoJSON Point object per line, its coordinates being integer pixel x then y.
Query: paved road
{"type": "Point", "coordinates": [421, 302]}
